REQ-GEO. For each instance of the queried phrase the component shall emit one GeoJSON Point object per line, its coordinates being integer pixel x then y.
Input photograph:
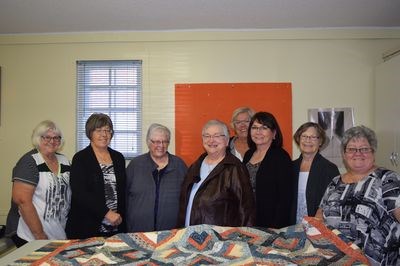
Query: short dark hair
{"type": "Point", "coordinates": [269, 120]}
{"type": "Point", "coordinates": [320, 131]}
{"type": "Point", "coordinates": [98, 120]}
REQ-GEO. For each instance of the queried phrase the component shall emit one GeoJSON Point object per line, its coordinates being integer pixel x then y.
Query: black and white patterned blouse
{"type": "Point", "coordinates": [363, 211]}
{"type": "Point", "coordinates": [110, 192]}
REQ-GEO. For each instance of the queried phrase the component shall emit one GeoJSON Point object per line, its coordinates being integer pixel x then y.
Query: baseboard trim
{"type": "Point", "coordinates": [3, 216]}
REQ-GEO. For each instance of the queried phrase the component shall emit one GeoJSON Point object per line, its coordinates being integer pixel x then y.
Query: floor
{"type": "Point", "coordinates": [6, 246]}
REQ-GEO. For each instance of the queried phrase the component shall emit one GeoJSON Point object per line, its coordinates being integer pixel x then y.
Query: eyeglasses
{"type": "Point", "coordinates": [103, 131]}
{"type": "Point", "coordinates": [260, 128]}
{"type": "Point", "coordinates": [160, 142]}
{"type": "Point", "coordinates": [364, 150]}
{"type": "Point", "coordinates": [48, 138]}
{"type": "Point", "coordinates": [312, 138]}
{"type": "Point", "coordinates": [241, 122]}
{"type": "Point", "coordinates": [217, 136]}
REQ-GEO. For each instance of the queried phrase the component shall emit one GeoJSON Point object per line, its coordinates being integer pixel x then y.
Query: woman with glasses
{"type": "Point", "coordinates": [270, 169]}
{"type": "Point", "coordinates": [153, 186]}
{"type": "Point", "coordinates": [98, 184]}
{"type": "Point", "coordinates": [312, 171]}
{"type": "Point", "coordinates": [41, 192]}
{"type": "Point", "coordinates": [364, 202]}
{"type": "Point", "coordinates": [216, 189]}
{"type": "Point", "coordinates": [240, 124]}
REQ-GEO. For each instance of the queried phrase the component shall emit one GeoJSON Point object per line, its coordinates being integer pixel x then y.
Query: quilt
{"type": "Point", "coordinates": [308, 243]}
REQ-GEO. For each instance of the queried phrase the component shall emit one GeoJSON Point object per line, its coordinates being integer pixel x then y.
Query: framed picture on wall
{"type": "Point", "coordinates": [335, 121]}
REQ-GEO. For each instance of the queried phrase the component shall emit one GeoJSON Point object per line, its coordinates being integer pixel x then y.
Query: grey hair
{"type": "Point", "coordinates": [42, 128]}
{"type": "Point", "coordinates": [360, 132]}
{"type": "Point", "coordinates": [157, 127]}
{"type": "Point", "coordinates": [239, 111]}
{"type": "Point", "coordinates": [215, 122]}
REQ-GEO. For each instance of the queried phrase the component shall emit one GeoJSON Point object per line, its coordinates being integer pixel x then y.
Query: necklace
{"type": "Point", "coordinates": [161, 165]}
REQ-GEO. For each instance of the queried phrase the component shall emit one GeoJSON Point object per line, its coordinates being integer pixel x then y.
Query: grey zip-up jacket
{"type": "Point", "coordinates": [142, 200]}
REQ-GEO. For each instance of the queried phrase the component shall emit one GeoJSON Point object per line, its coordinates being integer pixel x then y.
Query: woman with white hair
{"type": "Point", "coordinates": [153, 184]}
{"type": "Point", "coordinates": [216, 189]}
{"type": "Point", "coordinates": [41, 192]}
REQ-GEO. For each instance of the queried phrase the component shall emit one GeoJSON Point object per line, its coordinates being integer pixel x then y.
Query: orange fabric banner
{"type": "Point", "coordinates": [195, 104]}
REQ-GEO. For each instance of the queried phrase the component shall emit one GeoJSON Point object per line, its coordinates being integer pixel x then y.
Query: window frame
{"type": "Point", "coordinates": [101, 89]}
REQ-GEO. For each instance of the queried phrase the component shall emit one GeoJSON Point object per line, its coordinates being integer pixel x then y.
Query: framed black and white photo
{"type": "Point", "coordinates": [335, 121]}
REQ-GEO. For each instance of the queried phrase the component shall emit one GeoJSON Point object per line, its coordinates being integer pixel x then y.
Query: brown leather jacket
{"type": "Point", "coordinates": [225, 198]}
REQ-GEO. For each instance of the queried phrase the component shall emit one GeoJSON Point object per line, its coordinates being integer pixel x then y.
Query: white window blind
{"type": "Point", "coordinates": [113, 88]}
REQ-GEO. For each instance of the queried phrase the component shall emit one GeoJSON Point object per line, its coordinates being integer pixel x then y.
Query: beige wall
{"type": "Point", "coordinates": [327, 68]}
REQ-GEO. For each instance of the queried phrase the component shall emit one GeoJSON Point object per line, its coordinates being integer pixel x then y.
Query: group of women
{"type": "Point", "coordinates": [246, 180]}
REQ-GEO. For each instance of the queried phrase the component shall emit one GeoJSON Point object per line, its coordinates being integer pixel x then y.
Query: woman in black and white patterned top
{"type": "Point", "coordinates": [364, 203]}
{"type": "Point", "coordinates": [41, 192]}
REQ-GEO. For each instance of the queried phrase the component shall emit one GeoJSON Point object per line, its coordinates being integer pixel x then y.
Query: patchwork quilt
{"type": "Point", "coordinates": [308, 243]}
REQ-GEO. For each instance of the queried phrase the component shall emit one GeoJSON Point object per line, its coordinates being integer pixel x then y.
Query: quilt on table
{"type": "Point", "coordinates": [308, 243]}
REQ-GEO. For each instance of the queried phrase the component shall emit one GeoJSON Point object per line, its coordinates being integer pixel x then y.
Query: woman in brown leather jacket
{"type": "Point", "coordinates": [216, 189]}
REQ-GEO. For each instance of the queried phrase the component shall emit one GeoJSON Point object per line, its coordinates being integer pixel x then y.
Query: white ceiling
{"type": "Point", "coordinates": [57, 16]}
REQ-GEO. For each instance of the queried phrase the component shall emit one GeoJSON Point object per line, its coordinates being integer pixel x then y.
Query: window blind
{"type": "Point", "coordinates": [113, 88]}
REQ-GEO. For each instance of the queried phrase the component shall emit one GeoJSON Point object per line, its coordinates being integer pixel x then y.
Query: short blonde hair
{"type": "Point", "coordinates": [239, 111]}
{"type": "Point", "coordinates": [42, 128]}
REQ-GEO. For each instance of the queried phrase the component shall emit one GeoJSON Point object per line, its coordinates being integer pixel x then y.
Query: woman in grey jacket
{"type": "Point", "coordinates": [153, 185]}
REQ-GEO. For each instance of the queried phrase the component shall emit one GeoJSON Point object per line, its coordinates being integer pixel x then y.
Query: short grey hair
{"type": "Point", "coordinates": [215, 122]}
{"type": "Point", "coordinates": [42, 128]}
{"type": "Point", "coordinates": [239, 111]}
{"type": "Point", "coordinates": [360, 132]}
{"type": "Point", "coordinates": [157, 127]}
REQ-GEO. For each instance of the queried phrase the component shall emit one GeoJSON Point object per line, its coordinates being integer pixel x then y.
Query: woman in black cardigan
{"type": "Point", "coordinates": [97, 182]}
{"type": "Point", "coordinates": [312, 171]}
{"type": "Point", "coordinates": [271, 172]}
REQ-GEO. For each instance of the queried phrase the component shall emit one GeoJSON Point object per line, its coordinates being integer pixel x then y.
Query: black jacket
{"type": "Point", "coordinates": [321, 173]}
{"type": "Point", "coordinates": [88, 203]}
{"type": "Point", "coordinates": [274, 189]}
